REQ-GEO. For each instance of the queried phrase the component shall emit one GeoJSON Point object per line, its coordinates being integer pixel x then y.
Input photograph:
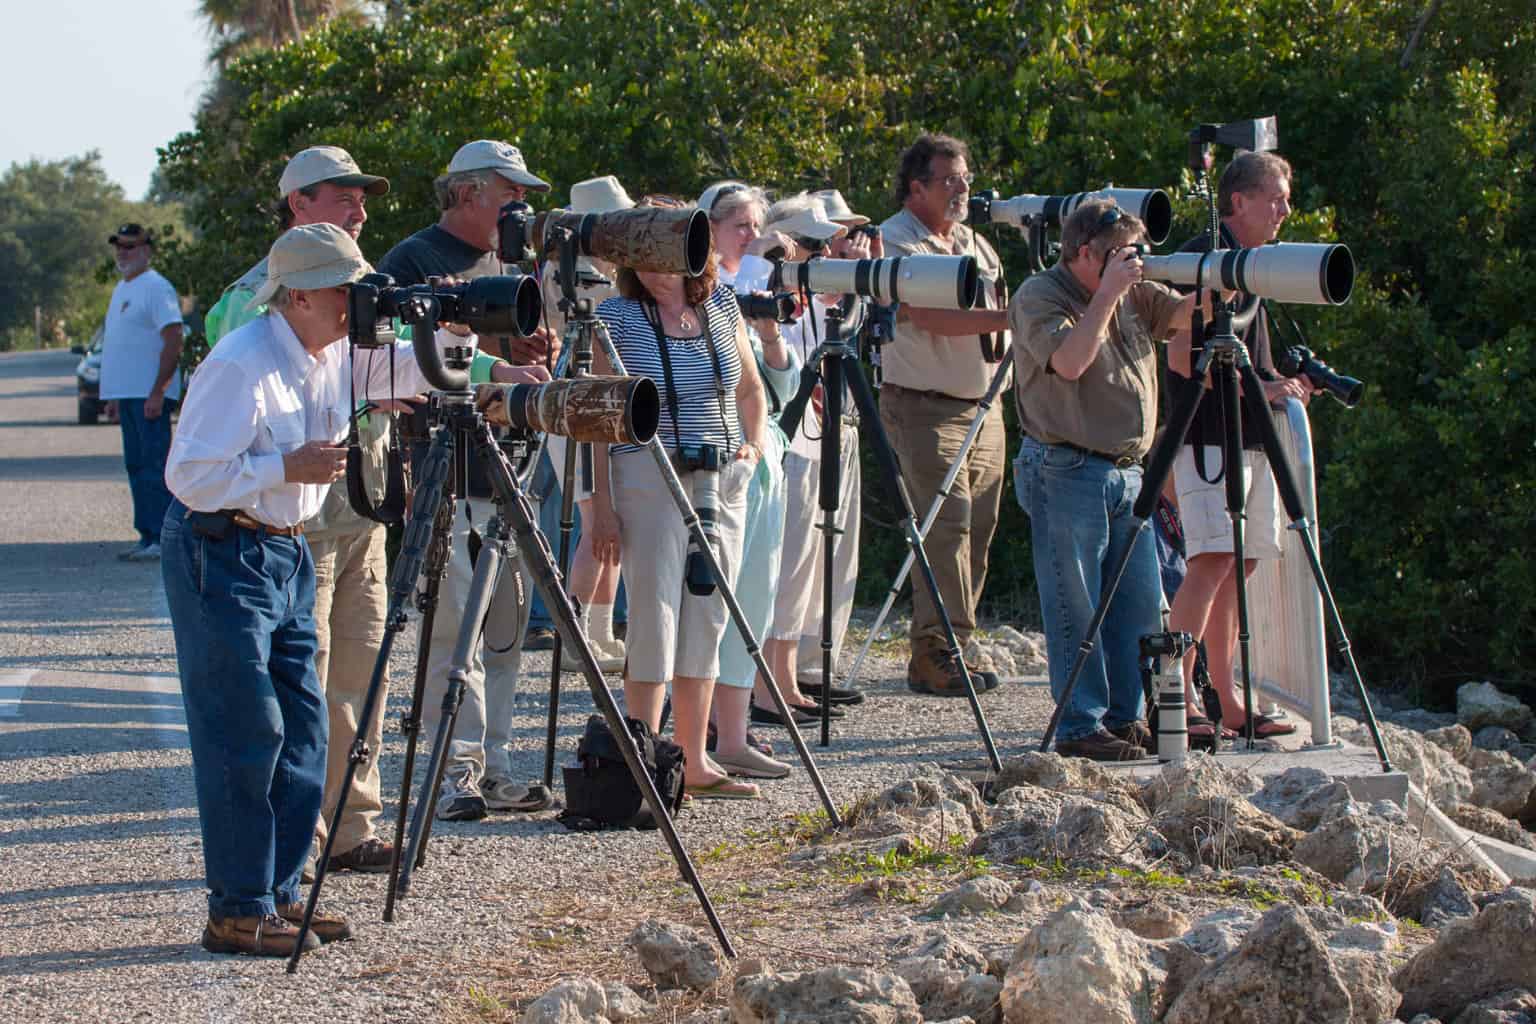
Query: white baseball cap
{"type": "Point", "coordinates": [328, 163]}
{"type": "Point", "coordinates": [311, 256]}
{"type": "Point", "coordinates": [712, 194]}
{"type": "Point", "coordinates": [599, 195]}
{"type": "Point", "coordinates": [836, 208]}
{"type": "Point", "coordinates": [503, 158]}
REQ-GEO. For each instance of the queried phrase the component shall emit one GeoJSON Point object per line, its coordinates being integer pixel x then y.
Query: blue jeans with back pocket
{"type": "Point", "coordinates": [1079, 508]}
{"type": "Point", "coordinates": [242, 610]}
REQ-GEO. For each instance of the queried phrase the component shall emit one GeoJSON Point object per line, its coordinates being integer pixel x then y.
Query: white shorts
{"type": "Point", "coordinates": [1203, 506]}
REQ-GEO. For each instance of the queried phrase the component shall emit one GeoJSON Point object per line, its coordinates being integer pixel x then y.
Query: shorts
{"type": "Point", "coordinates": [584, 467]}
{"type": "Point", "coordinates": [1203, 506]}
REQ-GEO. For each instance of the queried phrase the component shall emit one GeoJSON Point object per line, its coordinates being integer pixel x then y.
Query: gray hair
{"type": "Point", "coordinates": [734, 201]}
{"type": "Point", "coordinates": [1246, 172]}
{"type": "Point", "coordinates": [280, 298]}
{"type": "Point", "coordinates": [447, 185]}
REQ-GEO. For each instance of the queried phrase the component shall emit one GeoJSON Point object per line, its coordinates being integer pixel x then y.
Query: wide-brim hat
{"type": "Point", "coordinates": [311, 256]}
{"type": "Point", "coordinates": [808, 222]}
{"type": "Point", "coordinates": [836, 208]}
{"type": "Point", "coordinates": [328, 164]}
{"type": "Point", "coordinates": [131, 233]}
{"type": "Point", "coordinates": [503, 158]}
{"type": "Point", "coordinates": [600, 195]}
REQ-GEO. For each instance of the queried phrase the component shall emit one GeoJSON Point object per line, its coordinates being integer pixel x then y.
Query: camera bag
{"type": "Point", "coordinates": [599, 790]}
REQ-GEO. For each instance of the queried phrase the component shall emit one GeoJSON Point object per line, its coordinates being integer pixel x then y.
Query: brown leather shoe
{"type": "Point", "coordinates": [325, 926]}
{"type": "Point", "coordinates": [934, 672]}
{"type": "Point", "coordinates": [1135, 733]}
{"type": "Point", "coordinates": [270, 935]}
{"type": "Point", "coordinates": [371, 856]}
{"type": "Point", "coordinates": [1100, 746]}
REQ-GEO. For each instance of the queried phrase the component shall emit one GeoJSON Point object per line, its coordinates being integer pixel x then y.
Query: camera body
{"type": "Point", "coordinates": [779, 307]}
{"type": "Point", "coordinates": [869, 231]}
{"type": "Point", "coordinates": [1165, 645]}
{"type": "Point", "coordinates": [500, 305]}
{"type": "Point", "coordinates": [704, 462]}
{"type": "Point", "coordinates": [1298, 361]}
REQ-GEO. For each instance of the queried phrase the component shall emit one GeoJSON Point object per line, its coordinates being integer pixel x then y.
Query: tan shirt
{"type": "Point", "coordinates": [923, 361]}
{"type": "Point", "coordinates": [1112, 407]}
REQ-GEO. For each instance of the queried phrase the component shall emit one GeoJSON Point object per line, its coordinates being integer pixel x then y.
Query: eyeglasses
{"type": "Point", "coordinates": [128, 246]}
{"type": "Point", "coordinates": [953, 181]}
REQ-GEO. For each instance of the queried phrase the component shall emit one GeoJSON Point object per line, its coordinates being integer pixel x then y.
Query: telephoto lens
{"type": "Point", "coordinates": [655, 239]}
{"type": "Point", "coordinates": [780, 307]}
{"type": "Point", "coordinates": [1150, 205]}
{"type": "Point", "coordinates": [1302, 272]}
{"type": "Point", "coordinates": [601, 410]}
{"type": "Point", "coordinates": [927, 282]}
{"type": "Point", "coordinates": [1298, 361]}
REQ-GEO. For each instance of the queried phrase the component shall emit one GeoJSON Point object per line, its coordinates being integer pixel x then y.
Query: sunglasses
{"type": "Point", "coordinates": [128, 246]}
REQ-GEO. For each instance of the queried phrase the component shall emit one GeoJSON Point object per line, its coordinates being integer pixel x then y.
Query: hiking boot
{"type": "Point", "coordinates": [984, 679]}
{"type": "Point", "coordinates": [371, 856]}
{"type": "Point", "coordinates": [268, 935]}
{"type": "Point", "coordinates": [460, 798]}
{"type": "Point", "coordinates": [937, 674]}
{"type": "Point", "coordinates": [325, 926]}
{"type": "Point", "coordinates": [1100, 746]}
{"type": "Point", "coordinates": [1135, 733]}
{"type": "Point", "coordinates": [539, 638]}
{"type": "Point", "coordinates": [502, 794]}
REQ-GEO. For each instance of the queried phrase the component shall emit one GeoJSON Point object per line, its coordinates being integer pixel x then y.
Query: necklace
{"type": "Point", "coordinates": [683, 322]}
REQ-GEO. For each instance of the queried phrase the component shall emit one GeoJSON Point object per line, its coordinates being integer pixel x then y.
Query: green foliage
{"type": "Point", "coordinates": [947, 860]}
{"type": "Point", "coordinates": [1425, 170]}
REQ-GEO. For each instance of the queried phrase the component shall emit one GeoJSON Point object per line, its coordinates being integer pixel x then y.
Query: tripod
{"type": "Point", "coordinates": [1225, 358]}
{"type": "Point", "coordinates": [835, 364]}
{"type": "Point", "coordinates": [461, 428]}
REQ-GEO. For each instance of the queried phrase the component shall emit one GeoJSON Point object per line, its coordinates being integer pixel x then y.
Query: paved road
{"type": "Point", "coordinates": [100, 864]}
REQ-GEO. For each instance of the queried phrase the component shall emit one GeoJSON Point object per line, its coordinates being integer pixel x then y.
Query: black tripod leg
{"type": "Point", "coordinates": [536, 556]}
{"type": "Point", "coordinates": [829, 488]}
{"type": "Point", "coordinates": [1159, 465]}
{"type": "Point", "coordinates": [1296, 510]}
{"type": "Point", "coordinates": [567, 526]}
{"type": "Point", "coordinates": [437, 563]}
{"type": "Point", "coordinates": [1237, 501]}
{"type": "Point", "coordinates": [435, 473]}
{"type": "Point", "coordinates": [864, 399]}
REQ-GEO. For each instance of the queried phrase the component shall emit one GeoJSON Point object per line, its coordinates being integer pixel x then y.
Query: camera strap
{"type": "Point", "coordinates": [390, 511]}
{"type": "Point", "coordinates": [653, 316]}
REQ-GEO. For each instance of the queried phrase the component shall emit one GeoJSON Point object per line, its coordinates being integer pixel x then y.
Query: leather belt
{"type": "Point", "coordinates": [243, 519]}
{"type": "Point", "coordinates": [932, 394]}
{"type": "Point", "coordinates": [1118, 461]}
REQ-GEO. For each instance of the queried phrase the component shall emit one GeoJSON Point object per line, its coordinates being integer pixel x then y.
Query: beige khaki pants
{"type": "Point", "coordinates": [926, 432]}
{"type": "Point", "coordinates": [351, 593]}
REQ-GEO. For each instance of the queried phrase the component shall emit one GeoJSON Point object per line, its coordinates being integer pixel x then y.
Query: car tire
{"type": "Point", "coordinates": [88, 411]}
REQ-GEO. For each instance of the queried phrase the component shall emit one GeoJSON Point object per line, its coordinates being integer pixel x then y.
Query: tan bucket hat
{"type": "Point", "coordinates": [309, 257]}
{"type": "Point", "coordinates": [600, 195]}
{"type": "Point", "coordinates": [836, 208]}
{"type": "Point", "coordinates": [328, 163]}
{"type": "Point", "coordinates": [809, 222]}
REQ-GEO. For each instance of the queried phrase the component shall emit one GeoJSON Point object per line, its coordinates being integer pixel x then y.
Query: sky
{"type": "Point", "coordinates": [121, 77]}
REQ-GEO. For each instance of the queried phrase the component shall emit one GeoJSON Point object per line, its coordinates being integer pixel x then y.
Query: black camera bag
{"type": "Point", "coordinates": [599, 790]}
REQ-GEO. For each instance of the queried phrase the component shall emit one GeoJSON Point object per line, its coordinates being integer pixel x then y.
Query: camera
{"type": "Point", "coordinates": [928, 282]}
{"type": "Point", "coordinates": [1151, 205]}
{"type": "Point", "coordinates": [1141, 249]}
{"type": "Point", "coordinates": [503, 305]}
{"type": "Point", "coordinates": [597, 410]}
{"type": "Point", "coordinates": [703, 461]}
{"type": "Point", "coordinates": [780, 307]}
{"type": "Point", "coordinates": [1304, 272]}
{"type": "Point", "coordinates": [1298, 361]}
{"type": "Point", "coordinates": [655, 239]}
{"type": "Point", "coordinates": [869, 231]}
{"type": "Point", "coordinates": [1165, 645]}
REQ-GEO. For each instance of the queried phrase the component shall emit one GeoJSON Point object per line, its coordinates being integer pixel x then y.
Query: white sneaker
{"type": "Point", "coordinates": [142, 553]}
{"type": "Point", "coordinates": [459, 798]}
{"type": "Point", "coordinates": [502, 794]}
{"type": "Point", "coordinates": [610, 658]}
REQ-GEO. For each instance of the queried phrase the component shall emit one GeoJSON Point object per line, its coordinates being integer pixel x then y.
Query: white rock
{"type": "Point", "coordinates": [676, 956]}
{"type": "Point", "coordinates": [1077, 966]}
{"type": "Point", "coordinates": [573, 1001]}
{"type": "Point", "coordinates": [1480, 704]}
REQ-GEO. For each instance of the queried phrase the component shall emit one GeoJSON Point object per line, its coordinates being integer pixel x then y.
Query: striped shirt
{"type": "Point", "coordinates": [703, 415]}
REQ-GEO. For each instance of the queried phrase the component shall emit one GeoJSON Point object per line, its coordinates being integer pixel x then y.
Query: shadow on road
{"type": "Point", "coordinates": [62, 467]}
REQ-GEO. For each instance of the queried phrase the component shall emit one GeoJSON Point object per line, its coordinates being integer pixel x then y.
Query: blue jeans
{"type": "Point", "coordinates": [242, 610]}
{"type": "Point", "coordinates": [1080, 517]}
{"type": "Point", "coordinates": [146, 443]}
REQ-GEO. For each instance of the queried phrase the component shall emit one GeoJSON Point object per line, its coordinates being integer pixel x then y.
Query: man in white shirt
{"type": "Point", "coordinates": [140, 350]}
{"type": "Point", "coordinates": [254, 456]}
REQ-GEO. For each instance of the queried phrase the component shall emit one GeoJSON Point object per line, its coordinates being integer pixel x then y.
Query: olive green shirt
{"type": "Point", "coordinates": [1112, 407]}
{"type": "Point", "coordinates": [923, 361]}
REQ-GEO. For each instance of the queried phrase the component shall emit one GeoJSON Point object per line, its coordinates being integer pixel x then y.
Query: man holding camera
{"type": "Point", "coordinates": [254, 456]}
{"type": "Point", "coordinates": [141, 347]}
{"type": "Point", "coordinates": [482, 178]}
{"type": "Point", "coordinates": [324, 185]}
{"type": "Point", "coordinates": [1086, 385]}
{"type": "Point", "coordinates": [1253, 198]}
{"type": "Point", "coordinates": [937, 370]}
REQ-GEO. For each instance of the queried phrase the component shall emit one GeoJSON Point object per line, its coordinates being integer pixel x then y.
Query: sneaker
{"type": "Point", "coordinates": [539, 638]}
{"type": "Point", "coordinates": [1100, 746]}
{"type": "Point", "coordinates": [142, 553]}
{"type": "Point", "coordinates": [502, 794]}
{"type": "Point", "coordinates": [607, 660]}
{"type": "Point", "coordinates": [372, 856]}
{"type": "Point", "coordinates": [325, 926]}
{"type": "Point", "coordinates": [269, 935]}
{"type": "Point", "coordinates": [460, 798]}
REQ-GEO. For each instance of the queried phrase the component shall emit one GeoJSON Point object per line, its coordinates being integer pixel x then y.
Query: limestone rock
{"type": "Point", "coordinates": [1499, 782]}
{"type": "Point", "coordinates": [1041, 825]}
{"type": "Point", "coordinates": [1491, 823]}
{"type": "Point", "coordinates": [1078, 966]}
{"type": "Point", "coordinates": [1202, 809]}
{"type": "Point", "coordinates": [1357, 850]}
{"type": "Point", "coordinates": [944, 992]}
{"type": "Point", "coordinates": [974, 896]}
{"type": "Point", "coordinates": [1420, 720]}
{"type": "Point", "coordinates": [1154, 919]}
{"type": "Point", "coordinates": [676, 956]}
{"type": "Point", "coordinates": [934, 803]}
{"type": "Point", "coordinates": [1480, 704]}
{"type": "Point", "coordinates": [956, 953]}
{"type": "Point", "coordinates": [1474, 958]}
{"type": "Point", "coordinates": [1213, 937]}
{"type": "Point", "coordinates": [833, 995]}
{"type": "Point", "coordinates": [1431, 767]}
{"type": "Point", "coordinates": [1455, 740]}
{"type": "Point", "coordinates": [1516, 1006]}
{"type": "Point", "coordinates": [623, 1003]}
{"type": "Point", "coordinates": [1444, 900]}
{"type": "Point", "coordinates": [1495, 737]}
{"type": "Point", "coordinates": [1054, 772]}
{"type": "Point", "coordinates": [1284, 971]}
{"type": "Point", "coordinates": [1301, 797]}
{"type": "Point", "coordinates": [573, 1001]}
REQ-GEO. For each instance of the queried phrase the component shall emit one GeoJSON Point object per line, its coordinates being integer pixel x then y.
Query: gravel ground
{"type": "Point", "coordinates": [98, 825]}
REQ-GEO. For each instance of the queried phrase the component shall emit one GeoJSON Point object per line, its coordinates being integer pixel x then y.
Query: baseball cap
{"type": "Point", "coordinates": [713, 194]}
{"type": "Point", "coordinates": [836, 208]}
{"type": "Point", "coordinates": [328, 163]}
{"type": "Point", "coordinates": [489, 155]}
{"type": "Point", "coordinates": [599, 195]}
{"type": "Point", "coordinates": [131, 233]}
{"type": "Point", "coordinates": [311, 256]}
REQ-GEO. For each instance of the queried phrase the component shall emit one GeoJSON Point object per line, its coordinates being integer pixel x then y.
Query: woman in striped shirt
{"type": "Point", "coordinates": [688, 336]}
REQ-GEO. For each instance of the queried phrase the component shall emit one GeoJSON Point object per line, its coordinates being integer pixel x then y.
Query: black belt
{"type": "Point", "coordinates": [1118, 461]}
{"type": "Point", "coordinates": [932, 394]}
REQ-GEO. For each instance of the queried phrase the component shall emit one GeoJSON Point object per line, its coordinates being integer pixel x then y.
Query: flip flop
{"type": "Point", "coordinates": [725, 789]}
{"type": "Point", "coordinates": [1199, 725]}
{"type": "Point", "coordinates": [1265, 727]}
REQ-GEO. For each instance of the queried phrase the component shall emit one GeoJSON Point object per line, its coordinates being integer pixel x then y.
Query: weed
{"type": "Point", "coordinates": [486, 1005]}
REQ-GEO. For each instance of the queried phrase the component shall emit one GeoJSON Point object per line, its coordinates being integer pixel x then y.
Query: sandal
{"type": "Point", "coordinates": [725, 789]}
{"type": "Point", "coordinates": [1265, 727]}
{"type": "Point", "coordinates": [1201, 726]}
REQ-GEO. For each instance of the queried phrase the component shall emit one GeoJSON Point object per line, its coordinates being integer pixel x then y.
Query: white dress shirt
{"type": "Point", "coordinates": [259, 395]}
